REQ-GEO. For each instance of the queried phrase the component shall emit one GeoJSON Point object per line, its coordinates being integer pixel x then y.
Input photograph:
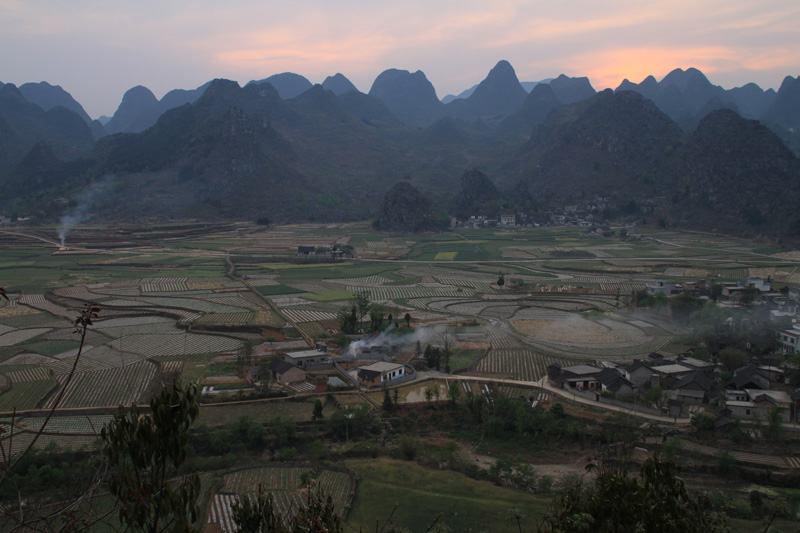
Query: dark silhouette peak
{"type": "Point", "coordinates": [140, 95]}
{"type": "Point", "coordinates": [9, 91]}
{"type": "Point", "coordinates": [338, 84]}
{"type": "Point", "coordinates": [499, 94]}
{"type": "Point", "coordinates": [411, 97]}
{"type": "Point", "coordinates": [788, 82]}
{"type": "Point", "coordinates": [220, 92]}
{"type": "Point", "coordinates": [503, 68]}
{"type": "Point", "coordinates": [49, 96]}
{"type": "Point", "coordinates": [570, 90]}
{"type": "Point", "coordinates": [288, 84]}
{"type": "Point", "coordinates": [684, 78]}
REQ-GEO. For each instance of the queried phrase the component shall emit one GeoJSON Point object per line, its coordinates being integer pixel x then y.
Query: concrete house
{"type": "Point", "coordinates": [308, 359]}
{"type": "Point", "coordinates": [381, 373]}
{"type": "Point", "coordinates": [579, 377]}
{"type": "Point", "coordinates": [789, 339]}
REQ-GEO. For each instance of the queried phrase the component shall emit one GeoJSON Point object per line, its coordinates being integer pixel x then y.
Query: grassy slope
{"type": "Point", "coordinates": [466, 504]}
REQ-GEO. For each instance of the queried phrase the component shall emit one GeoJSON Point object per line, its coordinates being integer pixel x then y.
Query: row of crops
{"type": "Point", "coordinates": [288, 489]}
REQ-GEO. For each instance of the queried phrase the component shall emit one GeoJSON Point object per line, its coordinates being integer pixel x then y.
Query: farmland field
{"type": "Point", "coordinates": [175, 297]}
{"type": "Point", "coordinates": [287, 488]}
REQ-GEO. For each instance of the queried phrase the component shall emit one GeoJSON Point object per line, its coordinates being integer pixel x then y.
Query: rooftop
{"type": "Point", "coordinates": [381, 366]}
{"type": "Point", "coordinates": [303, 354]}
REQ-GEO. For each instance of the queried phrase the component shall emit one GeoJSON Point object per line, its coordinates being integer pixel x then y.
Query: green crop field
{"type": "Point", "coordinates": [26, 395]}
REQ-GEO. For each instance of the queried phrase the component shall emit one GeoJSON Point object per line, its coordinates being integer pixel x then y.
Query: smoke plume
{"type": "Point", "coordinates": [393, 341]}
{"type": "Point", "coordinates": [86, 199]}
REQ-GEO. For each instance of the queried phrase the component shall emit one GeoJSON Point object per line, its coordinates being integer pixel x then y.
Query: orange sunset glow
{"type": "Point", "coordinates": [455, 44]}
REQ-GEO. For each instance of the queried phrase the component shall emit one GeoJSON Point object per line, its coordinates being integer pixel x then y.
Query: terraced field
{"type": "Point", "coordinates": [26, 395]}
{"type": "Point", "coordinates": [108, 387]}
{"type": "Point", "coordinates": [175, 343]}
{"type": "Point", "coordinates": [518, 363]}
{"type": "Point", "coordinates": [410, 291]}
{"type": "Point", "coordinates": [286, 486]}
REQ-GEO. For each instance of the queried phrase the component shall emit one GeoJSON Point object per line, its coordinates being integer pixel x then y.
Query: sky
{"type": "Point", "coordinates": [96, 50]}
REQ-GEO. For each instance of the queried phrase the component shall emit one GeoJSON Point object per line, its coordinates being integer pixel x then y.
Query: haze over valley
{"type": "Point", "coordinates": [474, 266]}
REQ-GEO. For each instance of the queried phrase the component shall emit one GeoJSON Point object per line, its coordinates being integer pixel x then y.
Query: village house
{"type": "Point", "coordinates": [789, 339]}
{"type": "Point", "coordinates": [308, 359]}
{"type": "Point", "coordinates": [640, 375]}
{"type": "Point", "coordinates": [305, 250]}
{"type": "Point", "coordinates": [611, 381]}
{"type": "Point", "coordinates": [760, 404]}
{"type": "Point", "coordinates": [660, 286]}
{"type": "Point", "coordinates": [381, 373]}
{"type": "Point", "coordinates": [693, 387]}
{"type": "Point", "coordinates": [579, 377]}
{"type": "Point", "coordinates": [747, 377]}
{"type": "Point", "coordinates": [670, 374]}
{"type": "Point", "coordinates": [284, 372]}
{"type": "Point", "coordinates": [508, 219]}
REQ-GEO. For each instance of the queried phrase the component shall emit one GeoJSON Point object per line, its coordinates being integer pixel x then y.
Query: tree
{"type": "Point", "coordinates": [703, 422]}
{"type": "Point", "coordinates": [407, 318]}
{"type": "Point", "coordinates": [362, 305]}
{"type": "Point", "coordinates": [318, 410]}
{"type": "Point", "coordinates": [433, 356]}
{"type": "Point", "coordinates": [418, 350]}
{"type": "Point", "coordinates": [501, 281]}
{"type": "Point", "coordinates": [656, 501]}
{"type": "Point", "coordinates": [387, 404]}
{"type": "Point", "coordinates": [144, 452]}
{"type": "Point", "coordinates": [454, 392]}
{"type": "Point", "coordinates": [774, 422]}
{"type": "Point", "coordinates": [258, 515]}
{"type": "Point", "coordinates": [347, 316]}
{"type": "Point", "coordinates": [448, 340]}
{"type": "Point", "coordinates": [376, 317]}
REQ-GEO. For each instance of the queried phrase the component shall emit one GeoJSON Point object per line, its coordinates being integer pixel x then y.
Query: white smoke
{"type": "Point", "coordinates": [86, 199]}
{"type": "Point", "coordinates": [394, 341]}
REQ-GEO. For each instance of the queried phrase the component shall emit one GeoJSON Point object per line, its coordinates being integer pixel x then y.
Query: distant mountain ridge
{"type": "Point", "coordinates": [327, 153]}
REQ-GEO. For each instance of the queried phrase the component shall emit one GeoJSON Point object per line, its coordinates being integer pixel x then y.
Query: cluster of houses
{"type": "Point", "coordinates": [506, 220]}
{"type": "Point", "coordinates": [690, 385]}
{"type": "Point", "coordinates": [294, 367]}
{"type": "Point", "coordinates": [333, 251]}
{"type": "Point", "coordinates": [784, 306]}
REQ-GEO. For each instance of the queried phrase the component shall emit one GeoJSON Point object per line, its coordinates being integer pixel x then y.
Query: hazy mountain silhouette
{"type": "Point", "coordinates": [49, 96]}
{"type": "Point", "coordinates": [500, 93]}
{"type": "Point", "coordinates": [23, 124]}
{"type": "Point", "coordinates": [685, 95]}
{"type": "Point", "coordinates": [534, 110]}
{"type": "Point", "coordinates": [288, 84]}
{"type": "Point", "coordinates": [139, 108]}
{"type": "Point", "coordinates": [751, 100]}
{"type": "Point", "coordinates": [785, 109]}
{"type": "Point", "coordinates": [570, 90]}
{"type": "Point", "coordinates": [411, 97]}
{"type": "Point", "coordinates": [135, 101]}
{"type": "Point", "coordinates": [225, 151]}
{"type": "Point", "coordinates": [527, 85]}
{"type": "Point", "coordinates": [338, 84]}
